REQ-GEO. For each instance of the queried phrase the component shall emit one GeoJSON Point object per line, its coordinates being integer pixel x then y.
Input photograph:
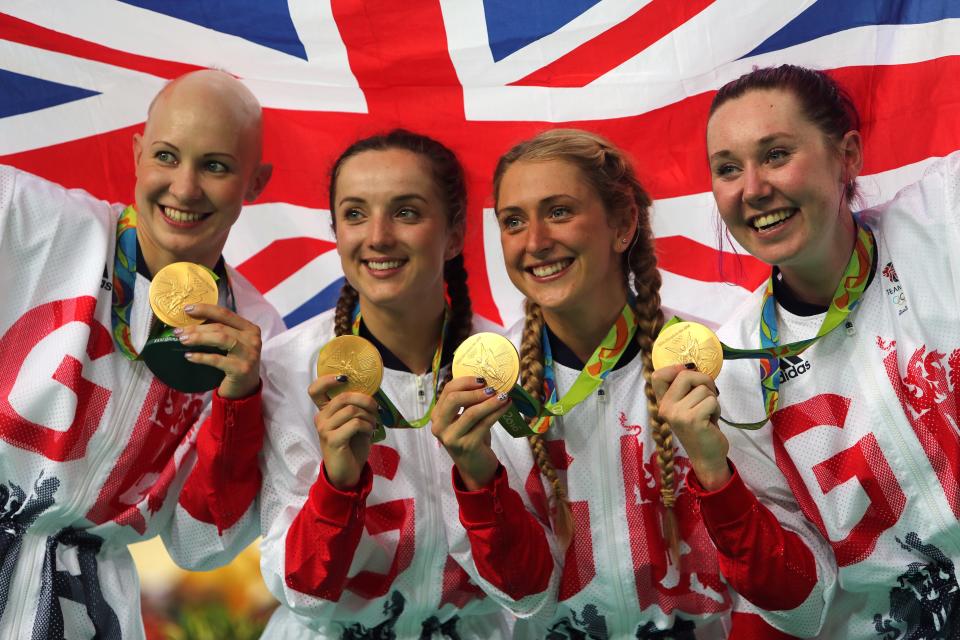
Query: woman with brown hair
{"type": "Point", "coordinates": [353, 541]}
{"type": "Point", "coordinates": [577, 242]}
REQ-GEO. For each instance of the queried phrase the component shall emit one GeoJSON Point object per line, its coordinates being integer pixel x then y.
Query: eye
{"type": "Point", "coordinates": [559, 213]}
{"type": "Point", "coordinates": [215, 166]}
{"type": "Point", "coordinates": [511, 223]}
{"type": "Point", "coordinates": [724, 170]}
{"type": "Point", "coordinates": [166, 157]}
{"type": "Point", "coordinates": [777, 154]}
{"type": "Point", "coordinates": [407, 213]}
{"type": "Point", "coordinates": [351, 215]}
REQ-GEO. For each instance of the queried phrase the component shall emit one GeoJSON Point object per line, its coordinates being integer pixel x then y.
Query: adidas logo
{"type": "Point", "coordinates": [792, 367]}
{"type": "Point", "coordinates": [105, 283]}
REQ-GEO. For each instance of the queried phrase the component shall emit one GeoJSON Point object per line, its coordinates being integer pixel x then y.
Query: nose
{"type": "Point", "coordinates": [539, 240]}
{"type": "Point", "coordinates": [380, 231]}
{"type": "Point", "coordinates": [185, 184]}
{"type": "Point", "coordinates": [756, 187]}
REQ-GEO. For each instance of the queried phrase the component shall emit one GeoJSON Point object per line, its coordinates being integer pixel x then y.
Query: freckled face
{"type": "Point", "coordinates": [393, 235]}
{"type": "Point", "coordinates": [778, 180]}
{"type": "Point", "coordinates": [558, 243]}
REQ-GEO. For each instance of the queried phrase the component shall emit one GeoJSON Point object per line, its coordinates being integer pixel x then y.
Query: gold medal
{"type": "Point", "coordinates": [178, 285]}
{"type": "Point", "coordinates": [489, 356]}
{"type": "Point", "coordinates": [685, 342]}
{"type": "Point", "coordinates": [354, 357]}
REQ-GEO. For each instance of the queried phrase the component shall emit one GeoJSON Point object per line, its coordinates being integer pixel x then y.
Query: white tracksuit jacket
{"type": "Point", "coordinates": [866, 442]}
{"type": "Point", "coordinates": [375, 562]}
{"type": "Point", "coordinates": [94, 451]}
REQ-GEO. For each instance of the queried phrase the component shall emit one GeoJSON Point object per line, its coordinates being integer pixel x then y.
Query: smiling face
{"type": "Point", "coordinates": [560, 247]}
{"type": "Point", "coordinates": [779, 181]}
{"type": "Point", "coordinates": [393, 235]}
{"type": "Point", "coordinates": [197, 160]}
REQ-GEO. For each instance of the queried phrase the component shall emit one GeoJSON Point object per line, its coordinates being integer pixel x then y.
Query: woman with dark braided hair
{"type": "Point", "coordinates": [843, 508]}
{"type": "Point", "coordinates": [605, 472]}
{"type": "Point", "coordinates": [353, 530]}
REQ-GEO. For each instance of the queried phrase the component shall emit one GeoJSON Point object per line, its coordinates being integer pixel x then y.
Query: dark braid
{"type": "Point", "coordinates": [460, 323]}
{"type": "Point", "coordinates": [343, 316]}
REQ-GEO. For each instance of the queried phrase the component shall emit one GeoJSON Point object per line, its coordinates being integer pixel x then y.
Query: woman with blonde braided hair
{"type": "Point", "coordinates": [637, 561]}
{"type": "Point", "coordinates": [353, 543]}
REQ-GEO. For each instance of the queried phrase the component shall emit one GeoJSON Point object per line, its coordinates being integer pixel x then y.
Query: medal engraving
{"type": "Point", "coordinates": [489, 356]}
{"type": "Point", "coordinates": [178, 285]}
{"type": "Point", "coordinates": [354, 357]}
{"type": "Point", "coordinates": [686, 342]}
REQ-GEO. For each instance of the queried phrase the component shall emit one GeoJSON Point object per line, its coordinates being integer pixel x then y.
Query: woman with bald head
{"type": "Point", "coordinates": [107, 433]}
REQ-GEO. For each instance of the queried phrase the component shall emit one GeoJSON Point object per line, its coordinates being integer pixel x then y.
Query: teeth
{"type": "Point", "coordinates": [383, 265]}
{"type": "Point", "coordinates": [182, 216]}
{"type": "Point", "coordinates": [770, 218]}
{"type": "Point", "coordinates": [550, 269]}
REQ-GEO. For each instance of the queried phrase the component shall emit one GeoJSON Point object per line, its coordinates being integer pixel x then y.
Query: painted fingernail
{"type": "Point", "coordinates": [188, 356]}
{"type": "Point", "coordinates": [489, 391]}
{"type": "Point", "coordinates": [178, 331]}
{"type": "Point", "coordinates": [341, 378]}
{"type": "Point", "coordinates": [189, 308]}
{"type": "Point", "coordinates": [481, 380]}
{"type": "Point", "coordinates": [502, 397]}
{"type": "Point", "coordinates": [183, 338]}
{"type": "Point", "coordinates": [691, 366]}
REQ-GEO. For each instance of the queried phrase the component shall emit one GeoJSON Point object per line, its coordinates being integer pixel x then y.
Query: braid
{"type": "Point", "coordinates": [531, 373]}
{"type": "Point", "coordinates": [641, 262]}
{"type": "Point", "coordinates": [343, 316]}
{"type": "Point", "coordinates": [460, 323]}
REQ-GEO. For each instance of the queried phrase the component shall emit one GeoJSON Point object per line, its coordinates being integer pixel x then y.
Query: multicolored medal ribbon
{"type": "Point", "coordinates": [845, 299]}
{"type": "Point", "coordinates": [389, 415]}
{"type": "Point", "coordinates": [173, 287]}
{"type": "Point", "coordinates": [494, 358]}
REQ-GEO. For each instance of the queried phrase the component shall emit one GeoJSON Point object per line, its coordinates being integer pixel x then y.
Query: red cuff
{"type": "Point", "coordinates": [226, 478]}
{"type": "Point", "coordinates": [483, 507]}
{"type": "Point", "coordinates": [723, 507]}
{"type": "Point", "coordinates": [336, 507]}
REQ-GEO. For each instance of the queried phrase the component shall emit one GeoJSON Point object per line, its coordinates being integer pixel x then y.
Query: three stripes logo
{"type": "Point", "coordinates": [792, 367]}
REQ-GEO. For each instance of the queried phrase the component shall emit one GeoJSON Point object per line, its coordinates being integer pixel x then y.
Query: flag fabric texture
{"type": "Point", "coordinates": [479, 75]}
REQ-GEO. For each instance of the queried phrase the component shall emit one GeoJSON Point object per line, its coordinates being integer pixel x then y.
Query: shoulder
{"type": "Point", "coordinates": [41, 200]}
{"type": "Point", "coordinates": [514, 332]}
{"type": "Point", "coordinates": [482, 325]}
{"type": "Point", "coordinates": [740, 326]}
{"type": "Point", "coordinates": [934, 198]}
{"type": "Point", "coordinates": [303, 340]}
{"type": "Point", "coordinates": [253, 306]}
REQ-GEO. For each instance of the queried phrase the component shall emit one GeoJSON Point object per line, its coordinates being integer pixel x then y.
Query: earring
{"type": "Point", "coordinates": [623, 240]}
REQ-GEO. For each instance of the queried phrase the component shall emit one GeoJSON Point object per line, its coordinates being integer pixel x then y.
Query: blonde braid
{"type": "Point", "coordinates": [343, 316]}
{"type": "Point", "coordinates": [531, 373]}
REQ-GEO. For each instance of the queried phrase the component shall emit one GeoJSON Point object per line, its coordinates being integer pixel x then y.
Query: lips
{"type": "Point", "coordinates": [545, 270]}
{"type": "Point", "coordinates": [384, 264]}
{"type": "Point", "coordinates": [181, 218]}
{"type": "Point", "coordinates": [767, 221]}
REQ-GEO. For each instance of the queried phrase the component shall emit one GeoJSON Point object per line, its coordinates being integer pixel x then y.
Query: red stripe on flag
{"type": "Point", "coordinates": [33, 35]}
{"type": "Point", "coordinates": [281, 259]}
{"type": "Point", "coordinates": [688, 258]}
{"type": "Point", "coordinates": [616, 45]}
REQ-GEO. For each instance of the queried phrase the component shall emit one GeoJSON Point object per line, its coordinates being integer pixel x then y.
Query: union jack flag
{"type": "Point", "coordinates": [480, 75]}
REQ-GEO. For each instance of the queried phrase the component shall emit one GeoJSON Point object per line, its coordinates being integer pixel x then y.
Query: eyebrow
{"type": "Point", "coordinates": [765, 140]}
{"type": "Point", "coordinates": [221, 154]}
{"type": "Point", "coordinates": [404, 197]}
{"type": "Point", "coordinates": [549, 200]}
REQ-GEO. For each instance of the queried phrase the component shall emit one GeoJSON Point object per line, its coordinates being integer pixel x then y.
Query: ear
{"type": "Point", "coordinates": [261, 176]}
{"type": "Point", "coordinates": [851, 155]}
{"type": "Point", "coordinates": [137, 149]}
{"type": "Point", "coordinates": [455, 242]}
{"type": "Point", "coordinates": [626, 231]}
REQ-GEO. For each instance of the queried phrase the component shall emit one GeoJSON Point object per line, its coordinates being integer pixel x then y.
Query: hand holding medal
{"type": "Point", "coordinates": [202, 345]}
{"type": "Point", "coordinates": [349, 373]}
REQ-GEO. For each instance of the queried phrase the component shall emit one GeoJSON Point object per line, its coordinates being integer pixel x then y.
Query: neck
{"type": "Point", "coordinates": [582, 331]}
{"type": "Point", "coordinates": [156, 258]}
{"type": "Point", "coordinates": [410, 334]}
{"type": "Point", "coordinates": [817, 282]}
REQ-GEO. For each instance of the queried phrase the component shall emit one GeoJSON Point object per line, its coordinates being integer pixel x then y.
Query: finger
{"type": "Point", "coordinates": [662, 378]}
{"type": "Point", "coordinates": [683, 383]}
{"type": "Point", "coordinates": [465, 383]}
{"type": "Point", "coordinates": [340, 437]}
{"type": "Point", "coordinates": [707, 410]}
{"type": "Point", "coordinates": [452, 400]}
{"type": "Point", "coordinates": [338, 416]}
{"type": "Point", "coordinates": [234, 342]}
{"type": "Point", "coordinates": [348, 399]}
{"type": "Point", "coordinates": [222, 315]}
{"type": "Point", "coordinates": [489, 410]}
